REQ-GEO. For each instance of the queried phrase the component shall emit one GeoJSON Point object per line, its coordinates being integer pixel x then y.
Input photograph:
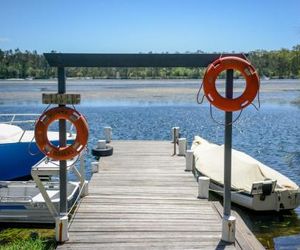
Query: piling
{"type": "Point", "coordinates": [189, 160]}
{"type": "Point", "coordinates": [182, 146]}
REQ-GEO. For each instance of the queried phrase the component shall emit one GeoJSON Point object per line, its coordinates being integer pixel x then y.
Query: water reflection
{"type": "Point", "coordinates": [272, 229]}
{"type": "Point", "coordinates": [270, 225]}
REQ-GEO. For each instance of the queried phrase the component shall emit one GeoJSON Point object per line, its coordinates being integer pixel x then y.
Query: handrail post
{"type": "Point", "coordinates": [82, 167]}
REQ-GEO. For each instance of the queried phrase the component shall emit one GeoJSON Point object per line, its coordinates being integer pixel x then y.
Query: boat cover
{"type": "Point", "coordinates": [9, 133]}
{"type": "Point", "coordinates": [12, 134]}
{"type": "Point", "coordinates": [209, 160]}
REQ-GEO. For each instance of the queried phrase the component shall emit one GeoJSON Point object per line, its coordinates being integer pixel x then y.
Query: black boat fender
{"type": "Point", "coordinates": [102, 152]}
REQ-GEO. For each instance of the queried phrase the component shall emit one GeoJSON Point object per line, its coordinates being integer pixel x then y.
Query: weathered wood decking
{"type": "Point", "coordinates": [143, 199]}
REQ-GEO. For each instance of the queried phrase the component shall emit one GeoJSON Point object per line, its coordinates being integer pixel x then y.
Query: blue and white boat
{"type": "Point", "coordinates": [19, 152]}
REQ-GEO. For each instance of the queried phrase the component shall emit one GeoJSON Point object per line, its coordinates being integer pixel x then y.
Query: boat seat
{"type": "Point", "coordinates": [39, 197]}
{"type": "Point", "coordinates": [45, 167]}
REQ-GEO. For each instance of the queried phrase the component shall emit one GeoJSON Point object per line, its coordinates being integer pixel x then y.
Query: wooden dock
{"type": "Point", "coordinates": [143, 199]}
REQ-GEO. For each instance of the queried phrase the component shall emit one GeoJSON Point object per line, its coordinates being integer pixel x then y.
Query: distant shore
{"type": "Point", "coordinates": [161, 91]}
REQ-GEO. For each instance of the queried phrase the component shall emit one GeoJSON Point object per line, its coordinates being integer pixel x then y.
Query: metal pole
{"type": "Point", "coordinates": [175, 139]}
{"type": "Point", "coordinates": [228, 223]}
{"type": "Point", "coordinates": [63, 209]}
{"type": "Point", "coordinates": [228, 146]}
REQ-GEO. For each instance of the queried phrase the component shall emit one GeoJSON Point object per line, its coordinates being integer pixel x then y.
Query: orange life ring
{"type": "Point", "coordinates": [235, 63]}
{"type": "Point", "coordinates": [61, 153]}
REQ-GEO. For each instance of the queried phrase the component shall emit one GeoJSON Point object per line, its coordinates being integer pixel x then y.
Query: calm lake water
{"type": "Point", "coordinates": [271, 135]}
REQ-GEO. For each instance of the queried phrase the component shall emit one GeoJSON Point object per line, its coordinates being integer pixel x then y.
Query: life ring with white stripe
{"type": "Point", "coordinates": [235, 63]}
{"type": "Point", "coordinates": [58, 152]}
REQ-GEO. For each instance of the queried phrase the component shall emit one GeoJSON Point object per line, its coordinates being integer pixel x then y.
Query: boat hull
{"type": "Point", "coordinates": [276, 201]}
{"type": "Point", "coordinates": [16, 159]}
{"type": "Point", "coordinates": [253, 184]}
{"type": "Point", "coordinates": [21, 202]}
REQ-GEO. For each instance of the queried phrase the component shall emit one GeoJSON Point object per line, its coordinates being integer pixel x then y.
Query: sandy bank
{"type": "Point", "coordinates": [183, 91]}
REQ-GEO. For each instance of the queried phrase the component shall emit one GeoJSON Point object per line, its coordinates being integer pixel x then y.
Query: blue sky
{"type": "Point", "coordinates": [129, 26]}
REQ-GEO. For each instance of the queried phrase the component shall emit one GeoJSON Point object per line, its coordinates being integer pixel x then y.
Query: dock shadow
{"type": "Point", "coordinates": [222, 245]}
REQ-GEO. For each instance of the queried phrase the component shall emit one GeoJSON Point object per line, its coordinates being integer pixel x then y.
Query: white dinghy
{"type": "Point", "coordinates": [22, 202]}
{"type": "Point", "coordinates": [37, 201]}
{"type": "Point", "coordinates": [254, 185]}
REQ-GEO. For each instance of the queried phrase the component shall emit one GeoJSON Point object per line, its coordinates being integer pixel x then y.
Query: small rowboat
{"type": "Point", "coordinates": [253, 184]}
{"type": "Point", "coordinates": [22, 201]}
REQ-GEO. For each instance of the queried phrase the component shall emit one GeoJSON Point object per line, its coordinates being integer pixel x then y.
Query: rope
{"type": "Point", "coordinates": [223, 124]}
{"type": "Point", "coordinates": [74, 107]}
{"type": "Point", "coordinates": [78, 200]}
{"type": "Point", "coordinates": [46, 108]}
{"type": "Point", "coordinates": [77, 158]}
{"type": "Point", "coordinates": [198, 93]}
{"type": "Point", "coordinates": [29, 148]}
{"type": "Point", "coordinates": [258, 100]}
{"type": "Point", "coordinates": [33, 137]}
{"type": "Point", "coordinates": [221, 192]}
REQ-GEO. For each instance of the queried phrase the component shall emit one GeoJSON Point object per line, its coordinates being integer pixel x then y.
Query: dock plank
{"type": "Point", "coordinates": [143, 199]}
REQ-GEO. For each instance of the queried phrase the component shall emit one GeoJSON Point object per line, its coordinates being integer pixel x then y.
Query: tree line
{"type": "Point", "coordinates": [283, 63]}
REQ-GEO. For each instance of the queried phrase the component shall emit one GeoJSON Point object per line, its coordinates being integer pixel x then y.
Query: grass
{"type": "Point", "coordinates": [36, 244]}
{"type": "Point", "coordinates": [27, 238]}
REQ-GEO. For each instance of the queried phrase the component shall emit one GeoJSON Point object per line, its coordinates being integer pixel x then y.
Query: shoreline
{"type": "Point", "coordinates": [139, 91]}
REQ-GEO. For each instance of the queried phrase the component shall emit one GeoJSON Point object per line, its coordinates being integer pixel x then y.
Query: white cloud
{"type": "Point", "coordinates": [4, 39]}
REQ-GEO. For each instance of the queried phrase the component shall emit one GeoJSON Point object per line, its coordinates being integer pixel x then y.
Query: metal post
{"type": "Point", "coordinates": [175, 136]}
{"type": "Point", "coordinates": [63, 209]}
{"type": "Point", "coordinates": [174, 140]}
{"type": "Point", "coordinates": [228, 146]}
{"type": "Point", "coordinates": [228, 224]}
